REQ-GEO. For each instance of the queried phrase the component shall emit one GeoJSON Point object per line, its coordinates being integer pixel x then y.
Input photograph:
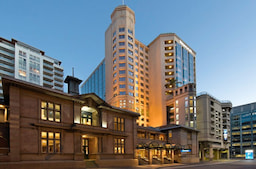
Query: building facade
{"type": "Point", "coordinates": [214, 126]}
{"type": "Point", "coordinates": [243, 133]}
{"type": "Point", "coordinates": [30, 64]}
{"type": "Point", "coordinates": [63, 128]}
{"type": "Point", "coordinates": [137, 75]}
{"type": "Point", "coordinates": [96, 82]}
{"type": "Point", "coordinates": [171, 59]}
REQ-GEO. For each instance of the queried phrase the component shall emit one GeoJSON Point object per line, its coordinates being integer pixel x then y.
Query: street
{"type": "Point", "coordinates": [240, 164]}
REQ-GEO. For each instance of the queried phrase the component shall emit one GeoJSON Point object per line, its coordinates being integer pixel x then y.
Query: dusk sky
{"type": "Point", "coordinates": [222, 32]}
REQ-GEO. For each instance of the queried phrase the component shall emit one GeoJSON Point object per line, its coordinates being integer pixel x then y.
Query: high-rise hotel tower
{"type": "Point", "coordinates": [135, 75]}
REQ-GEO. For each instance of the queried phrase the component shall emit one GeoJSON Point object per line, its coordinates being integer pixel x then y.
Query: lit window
{"type": "Point", "coordinates": [119, 145]}
{"type": "Point", "coordinates": [50, 142]}
{"type": "Point", "coordinates": [50, 111]}
{"type": "Point", "coordinates": [119, 124]}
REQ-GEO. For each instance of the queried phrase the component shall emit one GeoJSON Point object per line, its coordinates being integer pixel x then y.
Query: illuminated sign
{"type": "Point", "coordinates": [249, 155]}
{"type": "Point", "coordinates": [225, 134]}
{"type": "Point", "coordinates": [185, 150]}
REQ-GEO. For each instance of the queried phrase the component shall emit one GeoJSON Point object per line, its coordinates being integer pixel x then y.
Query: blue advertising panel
{"type": "Point", "coordinates": [249, 155]}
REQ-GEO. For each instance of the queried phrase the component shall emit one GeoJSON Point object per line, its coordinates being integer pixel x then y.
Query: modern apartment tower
{"type": "Point", "coordinates": [214, 126]}
{"type": "Point", "coordinates": [136, 75]}
{"type": "Point", "coordinates": [243, 129]}
{"type": "Point", "coordinates": [30, 64]}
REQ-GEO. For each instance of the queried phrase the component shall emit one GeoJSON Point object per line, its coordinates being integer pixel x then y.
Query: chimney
{"type": "Point", "coordinates": [73, 85]}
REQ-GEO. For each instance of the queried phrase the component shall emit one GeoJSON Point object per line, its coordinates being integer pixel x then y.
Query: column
{"type": "Point", "coordinates": [150, 156]}
{"type": "Point", "coordinates": [172, 155]}
{"type": "Point", "coordinates": [211, 153]}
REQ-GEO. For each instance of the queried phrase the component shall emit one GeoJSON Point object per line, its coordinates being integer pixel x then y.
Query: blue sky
{"type": "Point", "coordinates": [222, 32]}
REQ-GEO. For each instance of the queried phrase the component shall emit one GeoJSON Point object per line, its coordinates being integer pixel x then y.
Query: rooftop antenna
{"type": "Point", "coordinates": [73, 71]}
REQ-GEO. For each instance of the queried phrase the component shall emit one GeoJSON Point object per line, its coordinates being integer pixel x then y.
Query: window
{"type": "Point", "coordinates": [131, 94]}
{"type": "Point", "coordinates": [130, 66]}
{"type": "Point", "coordinates": [122, 93]}
{"type": "Point", "coordinates": [121, 57]}
{"type": "Point", "coordinates": [50, 111]}
{"type": "Point", "coordinates": [130, 59]}
{"type": "Point", "coordinates": [114, 54]}
{"type": "Point", "coordinates": [130, 31]}
{"type": "Point", "coordinates": [130, 87]}
{"type": "Point", "coordinates": [50, 142]}
{"type": "Point", "coordinates": [86, 117]}
{"type": "Point", "coordinates": [114, 61]}
{"type": "Point", "coordinates": [114, 82]}
{"type": "Point", "coordinates": [119, 145]}
{"type": "Point", "coordinates": [114, 75]}
{"type": "Point", "coordinates": [114, 40]}
{"type": "Point", "coordinates": [130, 52]}
{"type": "Point", "coordinates": [136, 44]}
{"type": "Point", "coordinates": [122, 86]}
{"type": "Point", "coordinates": [114, 47]}
{"type": "Point", "coordinates": [136, 51]}
{"type": "Point", "coordinates": [121, 64]}
{"type": "Point", "coordinates": [141, 48]}
{"type": "Point", "coordinates": [114, 33]}
{"type": "Point", "coordinates": [118, 124]}
{"type": "Point", "coordinates": [131, 80]}
{"type": "Point", "coordinates": [121, 43]}
{"type": "Point", "coordinates": [114, 68]}
{"type": "Point", "coordinates": [130, 45]}
{"type": "Point", "coordinates": [168, 41]}
{"type": "Point", "coordinates": [121, 71]}
{"type": "Point", "coordinates": [121, 50]}
{"type": "Point", "coordinates": [121, 29]}
{"type": "Point", "coordinates": [121, 36]}
{"type": "Point", "coordinates": [130, 38]}
{"type": "Point", "coordinates": [121, 79]}
{"type": "Point", "coordinates": [130, 73]}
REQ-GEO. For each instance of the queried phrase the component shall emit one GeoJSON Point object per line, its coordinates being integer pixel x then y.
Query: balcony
{"type": "Point", "coordinates": [46, 71]}
{"type": "Point", "coordinates": [5, 60]}
{"type": "Point", "coordinates": [7, 53]}
{"type": "Point", "coordinates": [11, 48]}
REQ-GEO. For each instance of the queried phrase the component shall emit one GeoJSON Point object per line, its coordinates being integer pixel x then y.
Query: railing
{"type": "Point", "coordinates": [205, 93]}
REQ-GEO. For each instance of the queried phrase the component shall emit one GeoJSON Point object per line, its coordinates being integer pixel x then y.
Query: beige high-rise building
{"type": "Point", "coordinates": [127, 71]}
{"type": "Point", "coordinates": [136, 75]}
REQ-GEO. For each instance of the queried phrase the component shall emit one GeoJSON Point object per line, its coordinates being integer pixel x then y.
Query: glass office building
{"type": "Point", "coordinates": [243, 129]}
{"type": "Point", "coordinates": [96, 82]}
